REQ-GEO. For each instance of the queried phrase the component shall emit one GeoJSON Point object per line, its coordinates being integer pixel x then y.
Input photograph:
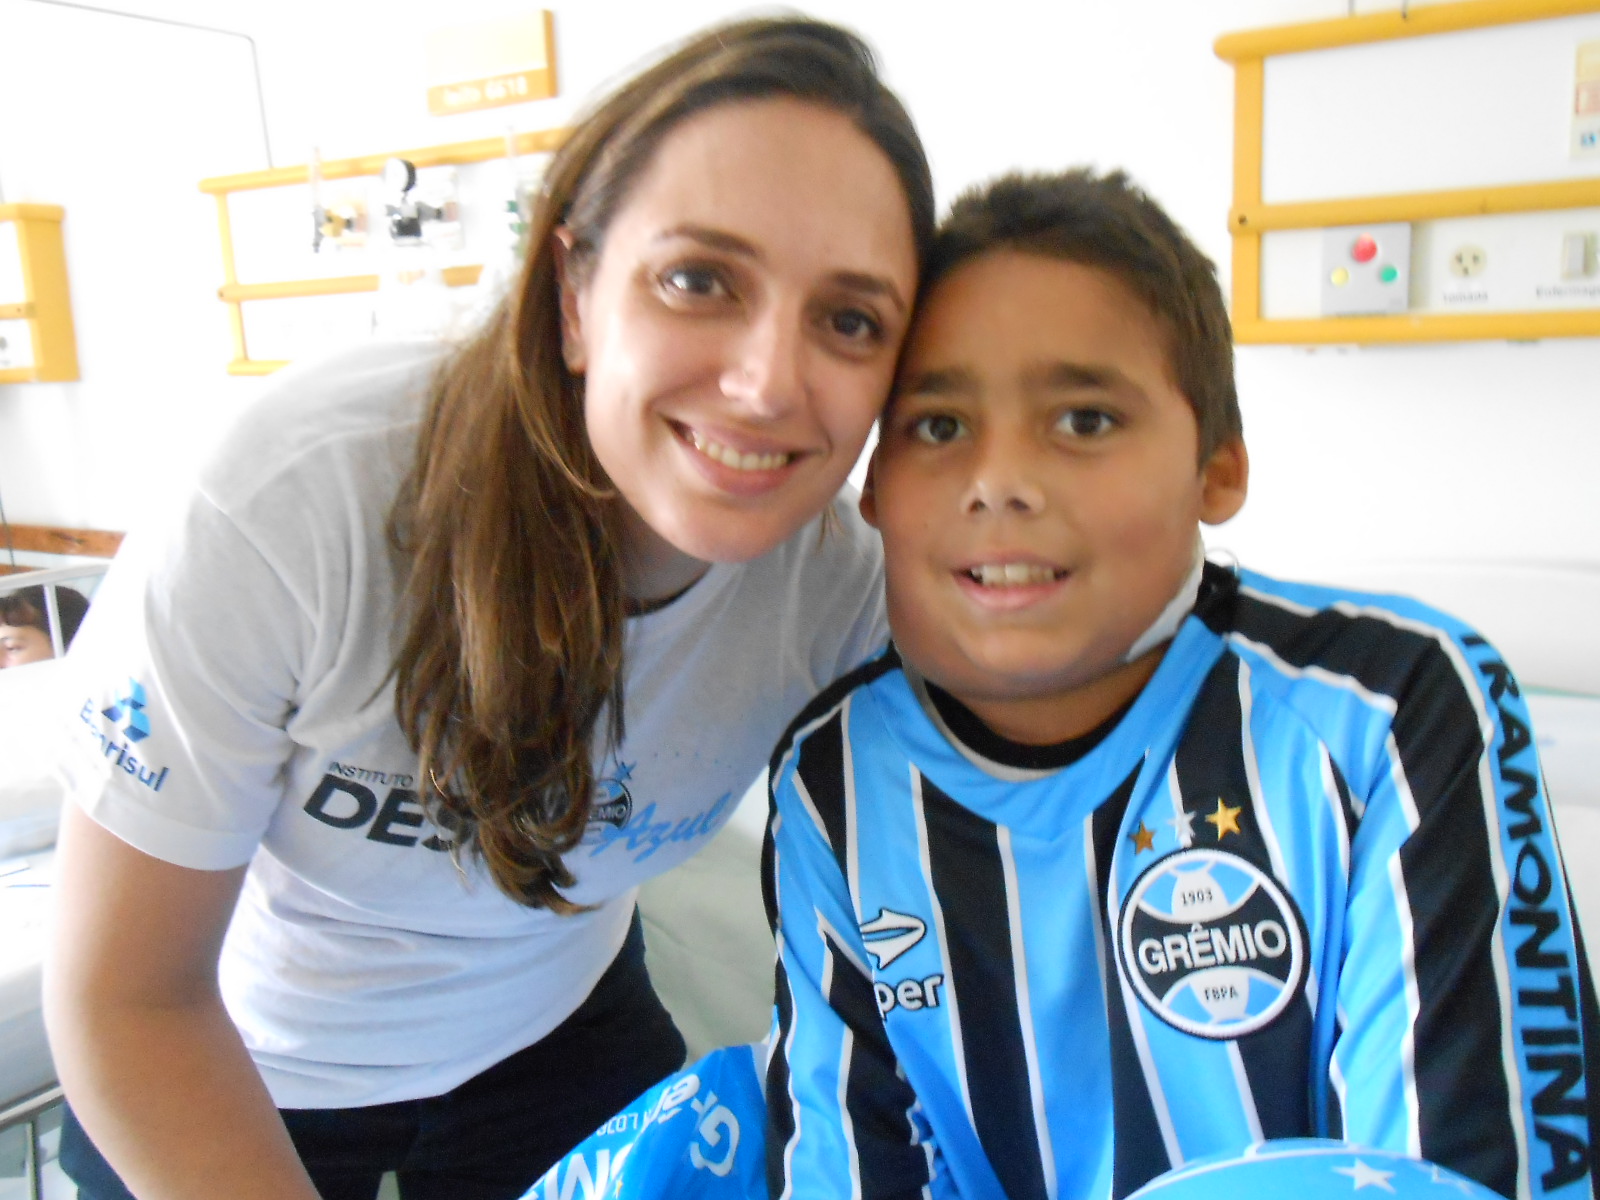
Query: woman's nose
{"type": "Point", "coordinates": [765, 368]}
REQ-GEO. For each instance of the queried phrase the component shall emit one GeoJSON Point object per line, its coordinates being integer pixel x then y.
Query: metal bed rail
{"type": "Point", "coordinates": [26, 1112]}
{"type": "Point", "coordinates": [49, 579]}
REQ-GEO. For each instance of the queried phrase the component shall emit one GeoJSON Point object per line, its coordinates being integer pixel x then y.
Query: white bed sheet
{"type": "Point", "coordinates": [25, 1066]}
{"type": "Point", "coordinates": [32, 699]}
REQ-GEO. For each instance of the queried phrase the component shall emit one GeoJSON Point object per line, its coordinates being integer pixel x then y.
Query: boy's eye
{"type": "Point", "coordinates": [695, 281]}
{"type": "Point", "coordinates": [936, 428]}
{"type": "Point", "coordinates": [1086, 422]}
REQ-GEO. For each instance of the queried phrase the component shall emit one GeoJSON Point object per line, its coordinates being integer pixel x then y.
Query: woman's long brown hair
{"type": "Point", "coordinates": [508, 531]}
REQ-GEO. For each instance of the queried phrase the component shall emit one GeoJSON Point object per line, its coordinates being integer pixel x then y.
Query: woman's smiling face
{"type": "Point", "coordinates": [738, 330]}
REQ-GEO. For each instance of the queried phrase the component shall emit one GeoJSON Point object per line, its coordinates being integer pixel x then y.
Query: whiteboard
{"type": "Point", "coordinates": [1477, 108]}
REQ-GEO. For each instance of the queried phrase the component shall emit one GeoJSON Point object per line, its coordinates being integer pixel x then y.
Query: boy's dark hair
{"type": "Point", "coordinates": [27, 606]}
{"type": "Point", "coordinates": [1106, 221]}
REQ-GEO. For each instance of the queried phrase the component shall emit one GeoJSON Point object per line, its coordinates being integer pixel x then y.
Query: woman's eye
{"type": "Point", "coordinates": [936, 428]}
{"type": "Point", "coordinates": [1086, 423]}
{"type": "Point", "coordinates": [855, 325]}
{"type": "Point", "coordinates": [694, 281]}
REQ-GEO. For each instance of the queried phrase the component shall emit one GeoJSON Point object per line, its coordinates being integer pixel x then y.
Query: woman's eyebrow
{"type": "Point", "coordinates": [717, 239]}
{"type": "Point", "coordinates": [871, 285]}
{"type": "Point", "coordinates": [731, 243]}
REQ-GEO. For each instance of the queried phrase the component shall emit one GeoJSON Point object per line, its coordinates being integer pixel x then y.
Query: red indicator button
{"type": "Point", "coordinates": [1364, 249]}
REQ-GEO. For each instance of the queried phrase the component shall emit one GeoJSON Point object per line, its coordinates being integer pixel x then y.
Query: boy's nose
{"type": "Point", "coordinates": [764, 371]}
{"type": "Point", "coordinates": [1004, 481]}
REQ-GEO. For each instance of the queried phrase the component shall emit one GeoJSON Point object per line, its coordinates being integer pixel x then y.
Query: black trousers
{"type": "Point", "coordinates": [492, 1137]}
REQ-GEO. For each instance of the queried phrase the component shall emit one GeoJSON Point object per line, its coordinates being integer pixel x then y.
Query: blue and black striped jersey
{"type": "Point", "coordinates": [1306, 885]}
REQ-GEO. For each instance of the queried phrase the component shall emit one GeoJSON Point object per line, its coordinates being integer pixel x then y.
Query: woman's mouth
{"type": "Point", "coordinates": [734, 459]}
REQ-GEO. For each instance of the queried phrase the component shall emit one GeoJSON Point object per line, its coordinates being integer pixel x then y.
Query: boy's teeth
{"type": "Point", "coordinates": [1012, 574]}
{"type": "Point", "coordinates": [729, 457]}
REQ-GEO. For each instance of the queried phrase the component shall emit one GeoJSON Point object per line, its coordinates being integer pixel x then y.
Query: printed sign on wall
{"type": "Point", "coordinates": [490, 63]}
{"type": "Point", "coordinates": [1586, 102]}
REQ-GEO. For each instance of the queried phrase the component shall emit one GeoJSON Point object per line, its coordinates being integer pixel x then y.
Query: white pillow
{"type": "Point", "coordinates": [33, 701]}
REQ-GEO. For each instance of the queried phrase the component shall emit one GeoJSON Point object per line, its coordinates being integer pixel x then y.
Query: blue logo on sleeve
{"type": "Point", "coordinates": [127, 712]}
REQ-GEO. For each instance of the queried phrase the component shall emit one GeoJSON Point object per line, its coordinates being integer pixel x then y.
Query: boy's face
{"type": "Point", "coordinates": [1038, 489]}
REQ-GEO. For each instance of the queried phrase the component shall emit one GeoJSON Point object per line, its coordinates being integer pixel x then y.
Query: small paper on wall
{"type": "Point", "coordinates": [1586, 102]}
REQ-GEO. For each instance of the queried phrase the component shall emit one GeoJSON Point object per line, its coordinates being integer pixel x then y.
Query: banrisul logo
{"type": "Point", "coordinates": [128, 717]}
{"type": "Point", "coordinates": [127, 712]}
{"type": "Point", "coordinates": [1212, 944]}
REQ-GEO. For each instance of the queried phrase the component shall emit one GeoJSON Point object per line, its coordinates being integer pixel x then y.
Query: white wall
{"type": "Point", "coordinates": [1438, 452]}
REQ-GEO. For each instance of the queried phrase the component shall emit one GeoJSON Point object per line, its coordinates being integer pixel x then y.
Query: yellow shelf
{"type": "Point", "coordinates": [1249, 217]}
{"type": "Point", "coordinates": [339, 285]}
{"type": "Point", "coordinates": [256, 366]}
{"type": "Point", "coordinates": [235, 294]}
{"type": "Point", "coordinates": [1419, 327]}
{"type": "Point", "coordinates": [536, 141]}
{"type": "Point", "coordinates": [47, 306]}
{"type": "Point", "coordinates": [1388, 26]}
{"type": "Point", "coordinates": [1464, 202]}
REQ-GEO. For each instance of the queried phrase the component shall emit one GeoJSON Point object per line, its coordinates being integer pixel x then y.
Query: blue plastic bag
{"type": "Point", "coordinates": [696, 1135]}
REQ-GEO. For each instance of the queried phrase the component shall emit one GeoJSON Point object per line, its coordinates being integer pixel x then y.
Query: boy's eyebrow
{"type": "Point", "coordinates": [1073, 375]}
{"type": "Point", "coordinates": [939, 381]}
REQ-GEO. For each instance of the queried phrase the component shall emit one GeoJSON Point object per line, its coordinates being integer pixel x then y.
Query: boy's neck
{"type": "Point", "coordinates": [1050, 720]}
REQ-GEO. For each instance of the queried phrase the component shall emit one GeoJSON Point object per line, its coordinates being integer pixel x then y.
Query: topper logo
{"type": "Point", "coordinates": [890, 934]}
{"type": "Point", "coordinates": [1212, 944]}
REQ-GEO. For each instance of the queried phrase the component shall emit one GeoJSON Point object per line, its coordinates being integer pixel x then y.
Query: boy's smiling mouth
{"type": "Point", "coordinates": [1013, 575]}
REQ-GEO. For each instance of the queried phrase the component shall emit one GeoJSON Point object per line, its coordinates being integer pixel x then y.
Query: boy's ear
{"type": "Point", "coordinates": [1224, 482]}
{"type": "Point", "coordinates": [869, 494]}
{"type": "Point", "coordinates": [572, 351]}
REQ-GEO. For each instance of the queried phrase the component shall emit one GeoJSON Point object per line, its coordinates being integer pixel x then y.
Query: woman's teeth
{"type": "Point", "coordinates": [1013, 574]}
{"type": "Point", "coordinates": [729, 457]}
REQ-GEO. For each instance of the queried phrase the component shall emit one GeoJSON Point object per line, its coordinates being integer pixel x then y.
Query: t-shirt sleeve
{"type": "Point", "coordinates": [1466, 1010]}
{"type": "Point", "coordinates": [842, 1119]}
{"type": "Point", "coordinates": [185, 676]}
{"type": "Point", "coordinates": [851, 593]}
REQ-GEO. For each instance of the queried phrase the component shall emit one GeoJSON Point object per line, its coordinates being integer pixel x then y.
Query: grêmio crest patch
{"type": "Point", "coordinates": [1212, 944]}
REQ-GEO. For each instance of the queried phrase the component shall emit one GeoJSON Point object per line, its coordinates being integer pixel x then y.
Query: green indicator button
{"type": "Point", "coordinates": [1389, 274]}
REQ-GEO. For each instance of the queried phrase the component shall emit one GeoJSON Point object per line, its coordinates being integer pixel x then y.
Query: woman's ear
{"type": "Point", "coordinates": [572, 352]}
{"type": "Point", "coordinates": [869, 493]}
{"type": "Point", "coordinates": [1224, 482]}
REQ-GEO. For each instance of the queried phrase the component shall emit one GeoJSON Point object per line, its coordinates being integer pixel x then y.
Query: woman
{"type": "Point", "coordinates": [451, 713]}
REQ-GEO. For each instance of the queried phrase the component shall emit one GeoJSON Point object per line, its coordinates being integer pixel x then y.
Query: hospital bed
{"type": "Point", "coordinates": [32, 699]}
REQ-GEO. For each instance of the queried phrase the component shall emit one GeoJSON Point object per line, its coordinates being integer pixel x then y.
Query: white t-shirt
{"type": "Point", "coordinates": [234, 706]}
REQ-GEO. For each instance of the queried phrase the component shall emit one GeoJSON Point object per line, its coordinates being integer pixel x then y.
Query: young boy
{"type": "Point", "coordinates": [1118, 858]}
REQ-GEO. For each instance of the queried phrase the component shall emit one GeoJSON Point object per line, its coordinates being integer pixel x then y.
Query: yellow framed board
{"type": "Point", "coordinates": [236, 294]}
{"type": "Point", "coordinates": [45, 305]}
{"type": "Point", "coordinates": [1251, 217]}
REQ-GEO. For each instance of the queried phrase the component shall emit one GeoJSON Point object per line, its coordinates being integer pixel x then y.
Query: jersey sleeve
{"type": "Point", "coordinates": [185, 676]}
{"type": "Point", "coordinates": [1467, 1032]}
{"type": "Point", "coordinates": [842, 1118]}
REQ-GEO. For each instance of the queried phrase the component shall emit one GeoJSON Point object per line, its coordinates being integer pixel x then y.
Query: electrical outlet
{"type": "Point", "coordinates": [1468, 262]}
